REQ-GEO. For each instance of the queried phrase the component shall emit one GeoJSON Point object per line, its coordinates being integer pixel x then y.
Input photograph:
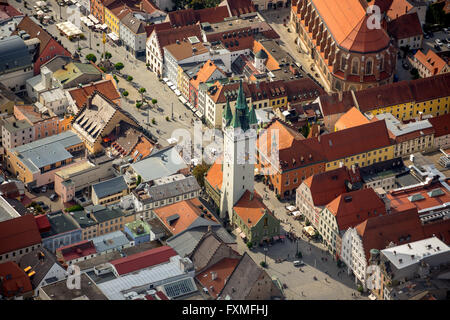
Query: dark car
{"type": "Point", "coordinates": [40, 203]}
{"type": "Point", "coordinates": [53, 197]}
{"type": "Point", "coordinates": [438, 48]}
{"type": "Point", "coordinates": [405, 66]}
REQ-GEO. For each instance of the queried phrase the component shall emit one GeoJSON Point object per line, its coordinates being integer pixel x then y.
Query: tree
{"type": "Point", "coordinates": [199, 173]}
{"type": "Point", "coordinates": [154, 101]}
{"type": "Point", "coordinates": [360, 289]}
{"type": "Point", "coordinates": [142, 91]}
{"type": "Point", "coordinates": [138, 104]}
{"type": "Point", "coordinates": [415, 73]}
{"type": "Point", "coordinates": [76, 207]}
{"type": "Point", "coordinates": [167, 118]}
{"type": "Point", "coordinates": [249, 244]}
{"type": "Point", "coordinates": [108, 55]}
{"type": "Point", "coordinates": [91, 57]}
{"type": "Point", "coordinates": [129, 78]}
{"type": "Point", "coordinates": [103, 69]}
{"type": "Point", "coordinates": [82, 36]}
{"type": "Point", "coordinates": [139, 180]}
{"type": "Point", "coordinates": [263, 264]}
{"type": "Point", "coordinates": [125, 93]}
{"type": "Point", "coordinates": [153, 121]}
{"type": "Point", "coordinates": [119, 66]}
{"type": "Point", "coordinates": [115, 78]}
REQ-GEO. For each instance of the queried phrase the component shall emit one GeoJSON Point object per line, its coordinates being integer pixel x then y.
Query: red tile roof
{"type": "Point", "coordinates": [169, 36]}
{"type": "Point", "coordinates": [384, 96]}
{"type": "Point", "coordinates": [399, 198]}
{"type": "Point", "coordinates": [405, 26]}
{"type": "Point", "coordinates": [143, 260]}
{"type": "Point", "coordinates": [106, 87]}
{"type": "Point", "coordinates": [251, 210]}
{"type": "Point", "coordinates": [351, 118]}
{"type": "Point", "coordinates": [187, 210]}
{"type": "Point", "coordinates": [429, 88]}
{"type": "Point", "coordinates": [18, 233]}
{"type": "Point", "coordinates": [18, 284]}
{"type": "Point", "coordinates": [398, 8]}
{"type": "Point", "coordinates": [35, 31]}
{"type": "Point", "coordinates": [329, 185]}
{"type": "Point", "coordinates": [239, 7]}
{"type": "Point", "coordinates": [379, 232]}
{"type": "Point", "coordinates": [159, 26]}
{"type": "Point", "coordinates": [190, 16]}
{"type": "Point", "coordinates": [352, 208]}
{"type": "Point", "coordinates": [221, 270]}
{"type": "Point", "coordinates": [204, 74]}
{"type": "Point", "coordinates": [431, 61]}
{"type": "Point", "coordinates": [77, 250]}
{"type": "Point", "coordinates": [214, 176]}
{"type": "Point", "coordinates": [344, 143]}
{"type": "Point", "coordinates": [43, 223]}
{"type": "Point", "coordinates": [441, 125]}
{"type": "Point", "coordinates": [332, 105]}
{"type": "Point", "coordinates": [7, 11]}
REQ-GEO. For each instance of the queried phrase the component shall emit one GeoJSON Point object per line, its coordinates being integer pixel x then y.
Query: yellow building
{"type": "Point", "coordinates": [113, 15]}
{"type": "Point", "coordinates": [407, 99]}
{"type": "Point", "coordinates": [361, 146]}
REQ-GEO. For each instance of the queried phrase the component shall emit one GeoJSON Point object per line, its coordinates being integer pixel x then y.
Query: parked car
{"type": "Point", "coordinates": [448, 45]}
{"type": "Point", "coordinates": [438, 42]}
{"type": "Point", "coordinates": [36, 190]}
{"type": "Point", "coordinates": [53, 197]}
{"type": "Point", "coordinates": [446, 30]}
{"type": "Point", "coordinates": [298, 263]}
{"type": "Point", "coordinates": [426, 36]}
{"type": "Point", "coordinates": [438, 48]}
{"type": "Point", "coordinates": [44, 189]}
{"type": "Point", "coordinates": [45, 207]}
{"type": "Point", "coordinates": [405, 65]}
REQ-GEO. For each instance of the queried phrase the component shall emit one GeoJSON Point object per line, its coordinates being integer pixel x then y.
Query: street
{"type": "Point", "coordinates": [332, 282]}
{"type": "Point", "coordinates": [142, 77]}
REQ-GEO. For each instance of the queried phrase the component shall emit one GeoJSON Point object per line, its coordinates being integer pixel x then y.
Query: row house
{"type": "Point", "coordinates": [441, 130]}
{"type": "Point", "coordinates": [429, 64]}
{"type": "Point", "coordinates": [407, 31]}
{"type": "Point", "coordinates": [348, 54]}
{"type": "Point", "coordinates": [408, 138]}
{"type": "Point", "coordinates": [207, 73]}
{"type": "Point", "coordinates": [164, 191]}
{"type": "Point", "coordinates": [320, 189]}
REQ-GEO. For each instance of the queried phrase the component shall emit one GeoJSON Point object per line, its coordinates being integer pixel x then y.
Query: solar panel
{"type": "Point", "coordinates": [179, 288]}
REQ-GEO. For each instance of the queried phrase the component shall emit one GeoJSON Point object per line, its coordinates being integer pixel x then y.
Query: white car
{"type": "Point", "coordinates": [438, 42]}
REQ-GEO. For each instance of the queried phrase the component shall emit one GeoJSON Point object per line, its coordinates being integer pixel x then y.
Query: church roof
{"type": "Point", "coordinates": [228, 115]}
{"type": "Point", "coordinates": [241, 118]}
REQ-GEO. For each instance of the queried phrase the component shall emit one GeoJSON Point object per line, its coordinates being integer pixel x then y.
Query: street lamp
{"type": "Point", "coordinates": [265, 255]}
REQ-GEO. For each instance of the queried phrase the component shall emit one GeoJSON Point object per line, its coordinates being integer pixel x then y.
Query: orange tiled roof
{"type": "Point", "coordinates": [214, 176]}
{"type": "Point", "coordinates": [406, 26]}
{"type": "Point", "coordinates": [398, 8]}
{"type": "Point", "coordinates": [431, 61]}
{"type": "Point", "coordinates": [107, 88]}
{"type": "Point", "coordinates": [169, 36]}
{"type": "Point", "coordinates": [239, 7]}
{"type": "Point", "coordinates": [352, 208]}
{"type": "Point", "coordinates": [271, 63]}
{"type": "Point", "coordinates": [205, 72]}
{"type": "Point", "coordinates": [347, 22]}
{"type": "Point", "coordinates": [144, 147]}
{"type": "Point", "coordinates": [222, 270]}
{"type": "Point", "coordinates": [187, 210]}
{"type": "Point", "coordinates": [17, 280]}
{"type": "Point", "coordinates": [400, 199]}
{"type": "Point", "coordinates": [441, 125]}
{"type": "Point", "coordinates": [329, 185]}
{"type": "Point", "coordinates": [250, 210]}
{"type": "Point", "coordinates": [191, 16]}
{"type": "Point", "coordinates": [352, 118]}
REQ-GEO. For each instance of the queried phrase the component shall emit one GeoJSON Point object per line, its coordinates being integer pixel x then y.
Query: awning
{"type": "Point", "coordinates": [372, 297]}
{"type": "Point", "coordinates": [165, 80]}
{"type": "Point", "coordinates": [309, 230]}
{"type": "Point", "coordinates": [296, 213]}
{"type": "Point", "coordinates": [198, 114]}
{"type": "Point", "coordinates": [243, 236]}
{"type": "Point", "coordinates": [182, 99]}
{"type": "Point", "coordinates": [282, 237]}
{"type": "Point", "coordinates": [177, 92]}
{"type": "Point", "coordinates": [169, 83]}
{"type": "Point", "coordinates": [173, 87]}
{"type": "Point", "coordinates": [94, 19]}
{"type": "Point", "coordinates": [238, 230]}
{"type": "Point", "coordinates": [290, 208]}
{"type": "Point", "coordinates": [275, 238]}
{"type": "Point", "coordinates": [113, 36]}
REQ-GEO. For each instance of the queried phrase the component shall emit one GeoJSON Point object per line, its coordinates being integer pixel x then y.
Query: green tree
{"type": "Point", "coordinates": [263, 264]}
{"type": "Point", "coordinates": [167, 118]}
{"type": "Point", "coordinates": [139, 180]}
{"type": "Point", "coordinates": [138, 104]}
{"type": "Point", "coordinates": [154, 101]}
{"type": "Point", "coordinates": [125, 93]}
{"type": "Point", "coordinates": [142, 91]}
{"type": "Point", "coordinates": [91, 57]}
{"type": "Point", "coordinates": [76, 207]}
{"type": "Point", "coordinates": [129, 78]}
{"type": "Point", "coordinates": [249, 244]}
{"type": "Point", "coordinates": [108, 55]}
{"type": "Point", "coordinates": [103, 69]}
{"type": "Point", "coordinates": [153, 121]}
{"type": "Point", "coordinates": [119, 66]}
{"type": "Point", "coordinates": [199, 173]}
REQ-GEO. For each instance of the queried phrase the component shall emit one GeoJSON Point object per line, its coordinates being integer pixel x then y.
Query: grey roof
{"type": "Point", "coordinates": [398, 129]}
{"type": "Point", "coordinates": [163, 163]}
{"type": "Point", "coordinates": [242, 279]}
{"type": "Point", "coordinates": [12, 125]}
{"type": "Point", "coordinates": [110, 241]}
{"type": "Point", "coordinates": [13, 54]}
{"type": "Point", "coordinates": [261, 54]}
{"type": "Point", "coordinates": [173, 189]}
{"type": "Point", "coordinates": [185, 242]}
{"type": "Point", "coordinates": [59, 223]}
{"type": "Point", "coordinates": [40, 266]}
{"type": "Point", "coordinates": [82, 219]}
{"type": "Point", "coordinates": [134, 24]}
{"type": "Point", "coordinates": [102, 213]}
{"type": "Point", "coordinates": [57, 63]}
{"type": "Point", "coordinates": [89, 290]}
{"type": "Point", "coordinates": [46, 151]}
{"type": "Point", "coordinates": [110, 187]}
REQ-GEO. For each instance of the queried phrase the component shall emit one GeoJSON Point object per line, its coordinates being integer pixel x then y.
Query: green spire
{"type": "Point", "coordinates": [227, 114]}
{"type": "Point", "coordinates": [241, 112]}
{"type": "Point", "coordinates": [252, 116]}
